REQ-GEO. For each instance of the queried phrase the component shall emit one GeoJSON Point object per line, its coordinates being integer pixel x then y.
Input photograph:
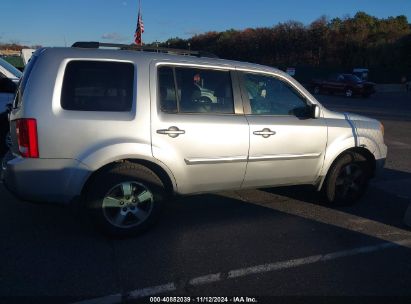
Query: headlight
{"type": "Point", "coordinates": [382, 128]}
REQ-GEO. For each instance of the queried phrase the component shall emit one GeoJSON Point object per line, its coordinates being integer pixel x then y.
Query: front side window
{"type": "Point", "coordinates": [271, 96]}
{"type": "Point", "coordinates": [334, 77]}
{"type": "Point", "coordinates": [98, 86]}
{"type": "Point", "coordinates": [352, 78]}
{"type": "Point", "coordinates": [192, 90]}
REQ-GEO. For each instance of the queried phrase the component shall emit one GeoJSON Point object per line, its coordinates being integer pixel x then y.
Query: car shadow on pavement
{"type": "Point", "coordinates": [386, 200]}
{"type": "Point", "coordinates": [195, 236]}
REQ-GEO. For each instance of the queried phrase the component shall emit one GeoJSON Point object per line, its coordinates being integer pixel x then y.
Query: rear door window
{"type": "Point", "coordinates": [194, 90]}
{"type": "Point", "coordinates": [98, 86]}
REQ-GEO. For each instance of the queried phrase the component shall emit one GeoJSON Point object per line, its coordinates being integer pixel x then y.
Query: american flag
{"type": "Point", "coordinates": [139, 30]}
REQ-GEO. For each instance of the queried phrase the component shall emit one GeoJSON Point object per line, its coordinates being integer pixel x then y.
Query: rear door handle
{"type": "Point", "coordinates": [172, 132]}
{"type": "Point", "coordinates": [266, 132]}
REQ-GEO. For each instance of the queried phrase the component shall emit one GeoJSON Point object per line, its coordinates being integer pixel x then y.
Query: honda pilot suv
{"type": "Point", "coordinates": [124, 129]}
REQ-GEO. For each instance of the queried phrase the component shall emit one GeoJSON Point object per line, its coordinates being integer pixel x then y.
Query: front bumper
{"type": "Point", "coordinates": [43, 180]}
{"type": "Point", "coordinates": [379, 167]}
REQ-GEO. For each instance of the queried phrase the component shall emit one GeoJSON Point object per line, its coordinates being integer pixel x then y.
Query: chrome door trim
{"type": "Point", "coordinates": [233, 159]}
{"type": "Point", "coordinates": [283, 157]}
{"type": "Point", "coordinates": [217, 160]}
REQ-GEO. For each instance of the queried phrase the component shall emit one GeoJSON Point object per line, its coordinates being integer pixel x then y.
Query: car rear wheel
{"type": "Point", "coordinates": [348, 93]}
{"type": "Point", "coordinates": [347, 179]}
{"type": "Point", "coordinates": [125, 199]}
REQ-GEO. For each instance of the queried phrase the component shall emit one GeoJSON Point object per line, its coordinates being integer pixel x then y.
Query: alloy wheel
{"type": "Point", "coordinates": [128, 204]}
{"type": "Point", "coordinates": [350, 182]}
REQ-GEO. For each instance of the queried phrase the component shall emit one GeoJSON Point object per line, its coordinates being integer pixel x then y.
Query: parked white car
{"type": "Point", "coordinates": [26, 55]}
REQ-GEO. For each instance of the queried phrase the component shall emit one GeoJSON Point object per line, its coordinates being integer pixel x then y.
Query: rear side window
{"type": "Point", "coordinates": [98, 86]}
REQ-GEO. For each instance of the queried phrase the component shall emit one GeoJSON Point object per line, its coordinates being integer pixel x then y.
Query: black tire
{"type": "Point", "coordinates": [108, 188]}
{"type": "Point", "coordinates": [347, 179]}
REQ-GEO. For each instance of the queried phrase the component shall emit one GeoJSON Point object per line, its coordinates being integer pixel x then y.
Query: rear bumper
{"type": "Point", "coordinates": [44, 180]}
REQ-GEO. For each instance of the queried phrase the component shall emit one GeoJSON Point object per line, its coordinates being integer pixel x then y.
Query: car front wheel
{"type": "Point", "coordinates": [347, 179]}
{"type": "Point", "coordinates": [125, 199]}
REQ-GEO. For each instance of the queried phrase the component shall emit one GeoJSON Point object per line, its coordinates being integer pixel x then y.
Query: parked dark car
{"type": "Point", "coordinates": [347, 84]}
{"type": "Point", "coordinates": [7, 91]}
{"type": "Point", "coordinates": [4, 130]}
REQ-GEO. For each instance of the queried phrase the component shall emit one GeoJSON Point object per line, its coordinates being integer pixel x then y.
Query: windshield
{"type": "Point", "coordinates": [352, 78]}
{"type": "Point", "coordinates": [10, 68]}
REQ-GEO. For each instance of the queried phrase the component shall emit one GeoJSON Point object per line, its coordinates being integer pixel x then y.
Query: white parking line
{"type": "Point", "coordinates": [243, 272]}
{"type": "Point", "coordinates": [322, 214]}
{"type": "Point", "coordinates": [151, 291]}
{"type": "Point", "coordinates": [207, 279]}
{"type": "Point", "coordinates": [111, 299]}
{"type": "Point", "coordinates": [397, 143]}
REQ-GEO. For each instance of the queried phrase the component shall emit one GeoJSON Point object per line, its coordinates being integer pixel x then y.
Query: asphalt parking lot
{"type": "Point", "coordinates": [264, 242]}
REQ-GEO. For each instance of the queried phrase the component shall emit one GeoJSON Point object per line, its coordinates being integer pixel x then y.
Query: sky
{"type": "Point", "coordinates": [62, 22]}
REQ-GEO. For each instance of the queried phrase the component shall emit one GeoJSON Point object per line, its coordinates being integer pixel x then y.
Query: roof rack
{"type": "Point", "coordinates": [97, 45]}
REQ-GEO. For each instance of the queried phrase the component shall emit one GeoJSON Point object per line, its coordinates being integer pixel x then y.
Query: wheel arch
{"type": "Point", "coordinates": [165, 175]}
{"type": "Point", "coordinates": [367, 154]}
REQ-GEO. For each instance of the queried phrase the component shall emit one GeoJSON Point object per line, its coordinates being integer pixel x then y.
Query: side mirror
{"type": "Point", "coordinates": [315, 111]}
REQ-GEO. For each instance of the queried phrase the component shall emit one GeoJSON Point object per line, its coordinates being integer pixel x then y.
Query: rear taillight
{"type": "Point", "coordinates": [26, 130]}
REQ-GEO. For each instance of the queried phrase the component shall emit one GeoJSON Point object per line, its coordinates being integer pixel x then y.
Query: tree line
{"type": "Point", "coordinates": [359, 41]}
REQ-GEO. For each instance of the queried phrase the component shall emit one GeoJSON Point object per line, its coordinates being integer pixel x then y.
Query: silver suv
{"type": "Point", "coordinates": [126, 128]}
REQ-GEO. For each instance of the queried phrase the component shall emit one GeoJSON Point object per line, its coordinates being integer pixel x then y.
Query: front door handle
{"type": "Point", "coordinates": [266, 132]}
{"type": "Point", "coordinates": [172, 132]}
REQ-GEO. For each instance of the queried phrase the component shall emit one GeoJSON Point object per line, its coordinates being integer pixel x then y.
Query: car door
{"type": "Point", "coordinates": [287, 145]}
{"type": "Point", "coordinates": [199, 130]}
{"type": "Point", "coordinates": [333, 83]}
{"type": "Point", "coordinates": [340, 84]}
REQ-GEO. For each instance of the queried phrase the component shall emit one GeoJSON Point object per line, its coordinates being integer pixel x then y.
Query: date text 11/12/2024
{"type": "Point", "coordinates": [203, 300]}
